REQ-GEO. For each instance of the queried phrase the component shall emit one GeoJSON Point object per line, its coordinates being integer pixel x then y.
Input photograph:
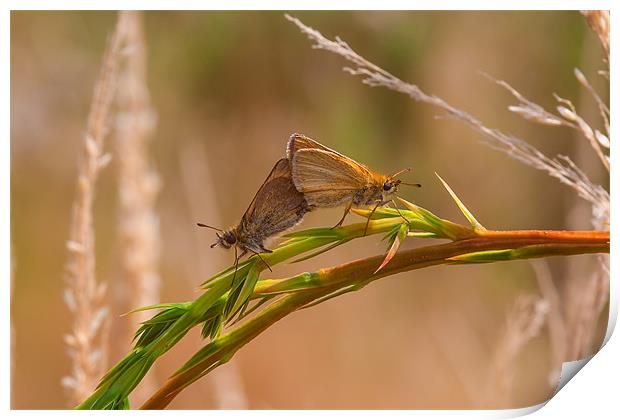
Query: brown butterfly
{"type": "Point", "coordinates": [276, 207]}
{"type": "Point", "coordinates": [330, 179]}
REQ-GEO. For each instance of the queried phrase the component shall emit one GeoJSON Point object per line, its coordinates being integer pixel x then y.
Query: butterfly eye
{"type": "Point", "coordinates": [227, 239]}
{"type": "Point", "coordinates": [387, 186]}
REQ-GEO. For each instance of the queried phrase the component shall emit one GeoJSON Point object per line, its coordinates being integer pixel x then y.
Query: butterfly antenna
{"type": "Point", "coordinates": [264, 262]}
{"type": "Point", "coordinates": [401, 171]}
{"type": "Point", "coordinates": [210, 227]}
{"type": "Point", "coordinates": [236, 266]}
{"type": "Point", "coordinates": [411, 185]}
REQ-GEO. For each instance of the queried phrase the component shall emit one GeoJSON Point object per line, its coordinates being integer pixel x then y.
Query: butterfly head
{"type": "Point", "coordinates": [390, 186]}
{"type": "Point", "coordinates": [225, 239]}
{"type": "Point", "coordinates": [391, 183]}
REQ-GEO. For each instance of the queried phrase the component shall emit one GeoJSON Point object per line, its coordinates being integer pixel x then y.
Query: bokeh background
{"type": "Point", "coordinates": [228, 89]}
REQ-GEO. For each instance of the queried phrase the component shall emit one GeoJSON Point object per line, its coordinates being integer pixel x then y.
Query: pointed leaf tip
{"type": "Point", "coordinates": [468, 215]}
{"type": "Point", "coordinates": [398, 238]}
{"type": "Point", "coordinates": [411, 207]}
{"type": "Point", "coordinates": [484, 256]}
{"type": "Point", "coordinates": [246, 290]}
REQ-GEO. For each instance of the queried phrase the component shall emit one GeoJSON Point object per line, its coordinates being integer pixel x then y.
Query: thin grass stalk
{"type": "Point", "coordinates": [567, 116]}
{"type": "Point", "coordinates": [226, 386]}
{"type": "Point", "coordinates": [84, 295]}
{"type": "Point", "coordinates": [559, 167]}
{"type": "Point", "coordinates": [524, 321]}
{"type": "Point", "coordinates": [361, 272]}
{"type": "Point", "coordinates": [195, 173]}
{"type": "Point", "coordinates": [587, 299]}
{"type": "Point", "coordinates": [599, 22]}
{"type": "Point", "coordinates": [584, 293]}
{"type": "Point", "coordinates": [138, 184]}
{"type": "Point", "coordinates": [555, 320]}
{"type": "Point", "coordinates": [587, 287]}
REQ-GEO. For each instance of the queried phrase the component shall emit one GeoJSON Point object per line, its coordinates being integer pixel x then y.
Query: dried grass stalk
{"type": "Point", "coordinates": [227, 386]}
{"type": "Point", "coordinates": [523, 322]}
{"type": "Point", "coordinates": [599, 22]}
{"type": "Point", "coordinates": [587, 292]}
{"type": "Point", "coordinates": [567, 117]}
{"type": "Point", "coordinates": [138, 184]}
{"type": "Point", "coordinates": [555, 320]}
{"type": "Point", "coordinates": [582, 315]}
{"type": "Point", "coordinates": [602, 107]}
{"type": "Point", "coordinates": [572, 328]}
{"type": "Point", "coordinates": [195, 173]}
{"type": "Point", "coordinates": [84, 295]}
{"type": "Point", "coordinates": [572, 334]}
{"type": "Point", "coordinates": [560, 167]}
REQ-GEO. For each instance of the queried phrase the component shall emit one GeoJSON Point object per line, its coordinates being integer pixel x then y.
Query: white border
{"type": "Point", "coordinates": [310, 5]}
{"type": "Point", "coordinates": [593, 393]}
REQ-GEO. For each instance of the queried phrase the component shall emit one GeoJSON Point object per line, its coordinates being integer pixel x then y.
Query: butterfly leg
{"type": "Point", "coordinates": [236, 265]}
{"type": "Point", "coordinates": [398, 210]}
{"type": "Point", "coordinates": [263, 260]}
{"type": "Point", "coordinates": [346, 211]}
{"type": "Point", "coordinates": [379, 203]}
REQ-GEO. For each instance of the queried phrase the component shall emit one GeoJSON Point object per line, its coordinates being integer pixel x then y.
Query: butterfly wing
{"type": "Point", "coordinates": [276, 207]}
{"type": "Point", "coordinates": [298, 141]}
{"type": "Point", "coordinates": [280, 169]}
{"type": "Point", "coordinates": [326, 178]}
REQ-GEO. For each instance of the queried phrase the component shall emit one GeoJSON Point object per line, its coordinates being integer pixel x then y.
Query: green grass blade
{"type": "Point", "coordinates": [396, 241]}
{"type": "Point", "coordinates": [468, 215]}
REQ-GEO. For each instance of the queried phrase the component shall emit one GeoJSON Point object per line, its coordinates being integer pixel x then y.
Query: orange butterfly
{"type": "Point", "coordinates": [276, 207]}
{"type": "Point", "coordinates": [329, 179]}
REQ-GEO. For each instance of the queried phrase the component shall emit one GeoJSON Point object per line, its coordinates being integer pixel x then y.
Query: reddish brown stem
{"type": "Point", "coordinates": [549, 243]}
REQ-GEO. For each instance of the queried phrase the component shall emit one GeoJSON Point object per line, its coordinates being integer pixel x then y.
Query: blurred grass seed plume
{"type": "Point", "coordinates": [138, 184]}
{"type": "Point", "coordinates": [84, 296]}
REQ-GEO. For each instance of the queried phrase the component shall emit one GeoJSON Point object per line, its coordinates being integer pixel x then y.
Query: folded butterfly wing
{"type": "Point", "coordinates": [328, 179]}
{"type": "Point", "coordinates": [277, 206]}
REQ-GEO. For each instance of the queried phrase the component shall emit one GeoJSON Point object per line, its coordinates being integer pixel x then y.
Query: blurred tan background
{"type": "Point", "coordinates": [228, 89]}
